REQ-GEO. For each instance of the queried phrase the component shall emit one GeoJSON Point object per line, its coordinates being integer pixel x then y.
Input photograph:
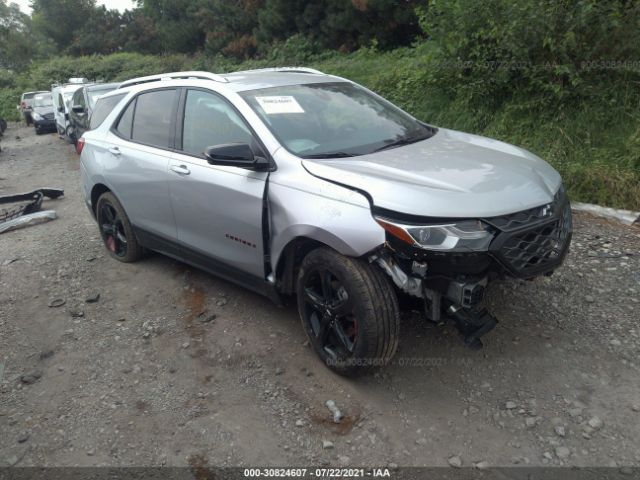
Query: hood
{"type": "Point", "coordinates": [451, 174]}
{"type": "Point", "coordinates": [43, 110]}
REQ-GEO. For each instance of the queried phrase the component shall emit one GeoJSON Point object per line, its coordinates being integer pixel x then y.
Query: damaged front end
{"type": "Point", "coordinates": [448, 264]}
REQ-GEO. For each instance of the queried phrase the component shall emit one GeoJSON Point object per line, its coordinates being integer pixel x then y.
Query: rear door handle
{"type": "Point", "coordinates": [181, 169]}
{"type": "Point", "coordinates": [114, 151]}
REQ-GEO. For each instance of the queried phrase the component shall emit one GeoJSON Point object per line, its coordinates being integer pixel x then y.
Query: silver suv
{"type": "Point", "coordinates": [292, 182]}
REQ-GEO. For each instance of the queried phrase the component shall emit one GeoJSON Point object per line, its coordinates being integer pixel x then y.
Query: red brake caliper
{"type": "Point", "coordinates": [111, 243]}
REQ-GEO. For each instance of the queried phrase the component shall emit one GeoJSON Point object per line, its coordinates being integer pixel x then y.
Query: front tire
{"type": "Point", "coordinates": [349, 312]}
{"type": "Point", "coordinates": [116, 230]}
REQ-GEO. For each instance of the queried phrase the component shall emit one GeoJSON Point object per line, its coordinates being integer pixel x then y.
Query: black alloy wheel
{"type": "Point", "coordinates": [349, 311]}
{"type": "Point", "coordinates": [115, 229]}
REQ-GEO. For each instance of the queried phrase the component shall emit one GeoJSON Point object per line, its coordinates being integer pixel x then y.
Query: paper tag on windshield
{"type": "Point", "coordinates": [279, 104]}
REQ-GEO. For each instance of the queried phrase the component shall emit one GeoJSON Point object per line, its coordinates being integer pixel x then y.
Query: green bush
{"type": "Point", "coordinates": [9, 99]}
{"type": "Point", "coordinates": [558, 78]}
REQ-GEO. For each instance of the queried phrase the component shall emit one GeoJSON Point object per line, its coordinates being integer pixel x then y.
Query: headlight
{"type": "Point", "coordinates": [462, 236]}
{"type": "Point", "coordinates": [36, 116]}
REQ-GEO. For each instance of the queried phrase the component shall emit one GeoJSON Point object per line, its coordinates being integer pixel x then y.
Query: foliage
{"type": "Point", "coordinates": [559, 78]}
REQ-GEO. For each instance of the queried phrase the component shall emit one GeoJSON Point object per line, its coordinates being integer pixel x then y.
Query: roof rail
{"type": "Point", "coordinates": [173, 76]}
{"type": "Point", "coordinates": [284, 70]}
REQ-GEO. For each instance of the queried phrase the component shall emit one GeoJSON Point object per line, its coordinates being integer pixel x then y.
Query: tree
{"type": "Point", "coordinates": [176, 24]}
{"type": "Point", "coordinates": [59, 19]}
{"type": "Point", "coordinates": [16, 46]}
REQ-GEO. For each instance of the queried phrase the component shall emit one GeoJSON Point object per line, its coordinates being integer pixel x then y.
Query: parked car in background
{"type": "Point", "coordinates": [42, 113]}
{"type": "Point", "coordinates": [293, 182]}
{"type": "Point", "coordinates": [62, 94]}
{"type": "Point", "coordinates": [25, 105]}
{"type": "Point", "coordinates": [82, 104]}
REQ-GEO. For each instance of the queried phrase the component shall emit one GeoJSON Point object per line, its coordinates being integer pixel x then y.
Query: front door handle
{"type": "Point", "coordinates": [114, 151]}
{"type": "Point", "coordinates": [181, 169]}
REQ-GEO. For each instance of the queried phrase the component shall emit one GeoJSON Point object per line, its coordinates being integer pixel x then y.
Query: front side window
{"type": "Point", "coordinates": [337, 119]}
{"type": "Point", "coordinates": [103, 108]}
{"type": "Point", "coordinates": [153, 117]}
{"type": "Point", "coordinates": [209, 120]}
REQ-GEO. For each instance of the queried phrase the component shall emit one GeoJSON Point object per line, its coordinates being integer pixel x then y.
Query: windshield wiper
{"type": "Point", "coordinates": [330, 155]}
{"type": "Point", "coordinates": [402, 141]}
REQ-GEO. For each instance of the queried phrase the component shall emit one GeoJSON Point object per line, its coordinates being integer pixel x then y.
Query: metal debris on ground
{"type": "Point", "coordinates": [28, 220]}
{"type": "Point", "coordinates": [333, 408]}
{"type": "Point", "coordinates": [26, 212]}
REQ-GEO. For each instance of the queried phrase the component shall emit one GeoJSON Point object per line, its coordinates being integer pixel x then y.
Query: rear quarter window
{"type": "Point", "coordinates": [104, 106]}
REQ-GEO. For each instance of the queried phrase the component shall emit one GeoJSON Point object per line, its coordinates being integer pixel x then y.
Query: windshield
{"type": "Point", "coordinates": [43, 101]}
{"type": "Point", "coordinates": [95, 94]}
{"type": "Point", "coordinates": [330, 120]}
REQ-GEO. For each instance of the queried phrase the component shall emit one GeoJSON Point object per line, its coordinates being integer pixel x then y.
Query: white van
{"type": "Point", "coordinates": [62, 94]}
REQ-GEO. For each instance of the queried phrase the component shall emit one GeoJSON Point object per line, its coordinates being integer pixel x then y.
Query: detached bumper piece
{"type": "Point", "coordinates": [27, 212]}
{"type": "Point", "coordinates": [472, 324]}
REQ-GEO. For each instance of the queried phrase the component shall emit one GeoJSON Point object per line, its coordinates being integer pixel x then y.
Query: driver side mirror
{"type": "Point", "coordinates": [78, 109]}
{"type": "Point", "coordinates": [235, 155]}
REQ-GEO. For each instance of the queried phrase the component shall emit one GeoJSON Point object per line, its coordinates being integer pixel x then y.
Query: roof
{"type": "Point", "coordinates": [239, 81]}
{"type": "Point", "coordinates": [256, 79]}
{"type": "Point", "coordinates": [102, 86]}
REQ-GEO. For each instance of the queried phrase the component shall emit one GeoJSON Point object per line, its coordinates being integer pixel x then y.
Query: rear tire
{"type": "Point", "coordinates": [349, 312]}
{"type": "Point", "coordinates": [116, 230]}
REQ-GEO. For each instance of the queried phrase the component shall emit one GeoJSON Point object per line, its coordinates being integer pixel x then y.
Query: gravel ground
{"type": "Point", "coordinates": [171, 366]}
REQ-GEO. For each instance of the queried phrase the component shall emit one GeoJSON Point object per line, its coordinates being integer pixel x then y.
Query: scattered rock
{"type": "Point", "coordinates": [455, 461]}
{"type": "Point", "coordinates": [279, 371]}
{"type": "Point", "coordinates": [510, 405]}
{"type": "Point", "coordinates": [222, 302]}
{"type": "Point", "coordinates": [327, 444]}
{"type": "Point", "coordinates": [46, 354]}
{"type": "Point", "coordinates": [299, 423]}
{"type": "Point", "coordinates": [31, 378]}
{"type": "Point", "coordinates": [482, 465]}
{"type": "Point", "coordinates": [57, 302]}
{"type": "Point", "coordinates": [23, 437]}
{"type": "Point", "coordinates": [615, 342]}
{"type": "Point", "coordinates": [560, 431]}
{"type": "Point", "coordinates": [635, 408]}
{"type": "Point", "coordinates": [344, 460]}
{"type": "Point", "coordinates": [575, 412]}
{"type": "Point", "coordinates": [76, 313]}
{"type": "Point", "coordinates": [595, 423]}
{"type": "Point", "coordinates": [562, 452]}
{"type": "Point", "coordinates": [530, 422]}
{"type": "Point", "coordinates": [93, 297]}
{"type": "Point", "coordinates": [589, 299]}
{"type": "Point", "coordinates": [335, 411]}
{"type": "Point", "coordinates": [208, 318]}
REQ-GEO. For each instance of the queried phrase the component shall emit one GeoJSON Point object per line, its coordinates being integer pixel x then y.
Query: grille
{"type": "Point", "coordinates": [530, 251]}
{"type": "Point", "coordinates": [516, 220]}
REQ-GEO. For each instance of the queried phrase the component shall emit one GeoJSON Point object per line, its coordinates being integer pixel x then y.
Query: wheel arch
{"type": "Point", "coordinates": [291, 255]}
{"type": "Point", "coordinates": [97, 190]}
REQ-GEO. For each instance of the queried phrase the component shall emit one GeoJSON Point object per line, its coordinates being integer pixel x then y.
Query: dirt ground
{"type": "Point", "coordinates": [171, 366]}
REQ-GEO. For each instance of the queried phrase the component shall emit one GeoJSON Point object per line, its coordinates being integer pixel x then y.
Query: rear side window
{"type": "Point", "coordinates": [103, 108]}
{"type": "Point", "coordinates": [78, 99]}
{"type": "Point", "coordinates": [153, 118]}
{"type": "Point", "coordinates": [126, 121]}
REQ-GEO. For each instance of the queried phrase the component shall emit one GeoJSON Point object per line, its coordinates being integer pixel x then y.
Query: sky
{"type": "Point", "coordinates": [110, 4]}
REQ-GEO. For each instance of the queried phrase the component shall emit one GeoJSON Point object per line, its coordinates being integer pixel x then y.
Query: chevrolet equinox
{"type": "Point", "coordinates": [290, 182]}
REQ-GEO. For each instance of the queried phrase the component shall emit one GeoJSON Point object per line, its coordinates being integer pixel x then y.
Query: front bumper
{"type": "Point", "coordinates": [45, 124]}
